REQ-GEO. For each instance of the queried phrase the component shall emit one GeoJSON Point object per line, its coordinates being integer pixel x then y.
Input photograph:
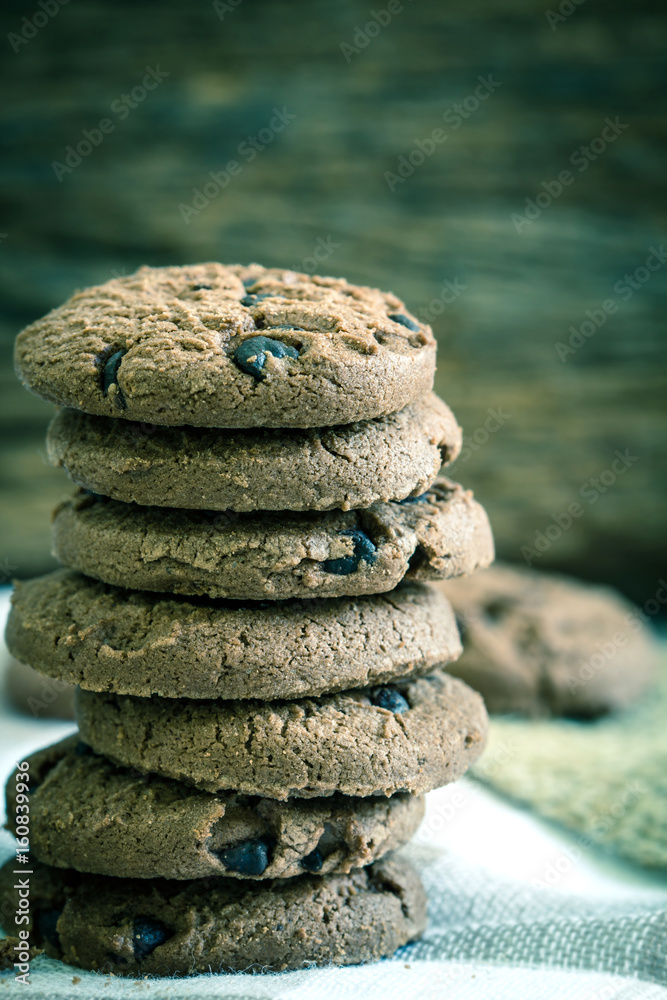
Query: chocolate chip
{"type": "Point", "coordinates": [313, 862]}
{"type": "Point", "coordinates": [252, 300]}
{"type": "Point", "coordinates": [249, 858]}
{"type": "Point", "coordinates": [147, 935]}
{"type": "Point", "coordinates": [250, 356]}
{"type": "Point", "coordinates": [83, 750]}
{"type": "Point", "coordinates": [363, 549]}
{"type": "Point", "coordinates": [326, 845]}
{"type": "Point", "coordinates": [110, 370]}
{"type": "Point", "coordinates": [404, 321]}
{"type": "Point", "coordinates": [389, 698]}
{"type": "Point", "coordinates": [46, 926]}
{"type": "Point", "coordinates": [199, 288]}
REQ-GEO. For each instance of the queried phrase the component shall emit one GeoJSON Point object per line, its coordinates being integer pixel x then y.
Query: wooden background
{"type": "Point", "coordinates": [322, 179]}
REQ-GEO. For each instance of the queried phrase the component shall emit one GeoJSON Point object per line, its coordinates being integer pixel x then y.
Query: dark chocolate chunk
{"type": "Point", "coordinates": [422, 498]}
{"type": "Point", "coordinates": [404, 321]}
{"type": "Point", "coordinates": [147, 935]}
{"type": "Point", "coordinates": [389, 698]}
{"type": "Point", "coordinates": [326, 845]}
{"type": "Point", "coordinates": [363, 549]}
{"type": "Point", "coordinates": [313, 862]}
{"type": "Point", "coordinates": [251, 300]}
{"type": "Point", "coordinates": [249, 858]}
{"type": "Point", "coordinates": [250, 356]}
{"type": "Point", "coordinates": [110, 370]}
{"type": "Point", "coordinates": [46, 927]}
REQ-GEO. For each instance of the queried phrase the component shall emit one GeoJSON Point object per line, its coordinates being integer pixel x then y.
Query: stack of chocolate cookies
{"type": "Point", "coordinates": [263, 701]}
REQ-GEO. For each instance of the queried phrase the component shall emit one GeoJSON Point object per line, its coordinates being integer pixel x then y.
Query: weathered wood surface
{"type": "Point", "coordinates": [322, 178]}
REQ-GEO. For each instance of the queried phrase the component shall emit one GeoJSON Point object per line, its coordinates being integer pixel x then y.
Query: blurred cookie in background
{"type": "Point", "coordinates": [540, 644]}
{"type": "Point", "coordinates": [35, 695]}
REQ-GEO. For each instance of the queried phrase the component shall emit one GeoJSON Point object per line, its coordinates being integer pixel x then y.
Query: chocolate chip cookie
{"type": "Point", "coordinates": [89, 814]}
{"type": "Point", "coordinates": [215, 346]}
{"type": "Point", "coordinates": [132, 642]}
{"type": "Point", "coordinates": [354, 465]}
{"type": "Point", "coordinates": [279, 555]}
{"type": "Point", "coordinates": [542, 644]}
{"type": "Point", "coordinates": [144, 927]}
{"type": "Point", "coordinates": [408, 737]}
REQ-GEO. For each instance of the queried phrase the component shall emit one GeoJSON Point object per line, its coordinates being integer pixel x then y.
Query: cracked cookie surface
{"type": "Point", "coordinates": [443, 533]}
{"type": "Point", "coordinates": [107, 638]}
{"type": "Point", "coordinates": [353, 465]}
{"type": "Point", "coordinates": [432, 731]}
{"type": "Point", "coordinates": [216, 346]}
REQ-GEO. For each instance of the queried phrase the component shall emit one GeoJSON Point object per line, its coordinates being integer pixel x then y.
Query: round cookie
{"type": "Point", "coordinates": [366, 551]}
{"type": "Point", "coordinates": [215, 346]}
{"type": "Point", "coordinates": [355, 465]}
{"type": "Point", "coordinates": [89, 814]}
{"type": "Point", "coordinates": [158, 927]}
{"type": "Point", "coordinates": [541, 644]}
{"type": "Point", "coordinates": [410, 737]}
{"type": "Point", "coordinates": [133, 642]}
